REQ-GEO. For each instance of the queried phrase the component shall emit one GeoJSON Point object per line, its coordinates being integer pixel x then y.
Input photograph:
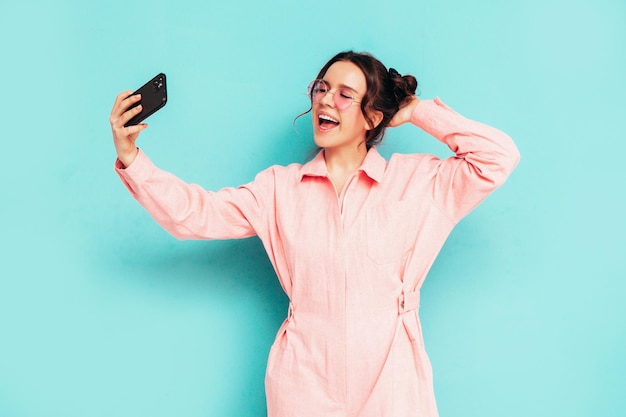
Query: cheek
{"type": "Point", "coordinates": [356, 120]}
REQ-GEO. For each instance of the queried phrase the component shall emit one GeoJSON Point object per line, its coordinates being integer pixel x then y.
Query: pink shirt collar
{"type": "Point", "coordinates": [373, 166]}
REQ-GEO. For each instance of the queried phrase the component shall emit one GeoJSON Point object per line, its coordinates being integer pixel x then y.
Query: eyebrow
{"type": "Point", "coordinates": [342, 86]}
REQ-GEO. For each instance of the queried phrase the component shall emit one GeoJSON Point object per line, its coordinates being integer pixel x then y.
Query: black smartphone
{"type": "Point", "coordinates": [153, 97]}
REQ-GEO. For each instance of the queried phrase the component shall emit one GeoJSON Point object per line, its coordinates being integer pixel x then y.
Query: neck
{"type": "Point", "coordinates": [344, 160]}
{"type": "Point", "coordinates": [341, 163]}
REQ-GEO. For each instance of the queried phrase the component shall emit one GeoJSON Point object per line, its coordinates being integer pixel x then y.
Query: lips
{"type": "Point", "coordinates": [327, 122]}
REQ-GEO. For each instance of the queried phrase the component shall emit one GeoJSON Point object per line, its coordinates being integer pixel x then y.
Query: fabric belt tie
{"type": "Point", "coordinates": [408, 301]}
{"type": "Point", "coordinates": [290, 311]}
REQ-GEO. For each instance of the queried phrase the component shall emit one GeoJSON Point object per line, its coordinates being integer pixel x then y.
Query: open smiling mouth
{"type": "Point", "coordinates": [326, 122]}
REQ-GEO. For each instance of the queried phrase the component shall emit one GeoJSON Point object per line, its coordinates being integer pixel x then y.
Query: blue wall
{"type": "Point", "coordinates": [102, 313]}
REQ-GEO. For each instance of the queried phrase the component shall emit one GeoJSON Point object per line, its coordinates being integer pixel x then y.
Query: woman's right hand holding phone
{"type": "Point", "coordinates": [124, 138]}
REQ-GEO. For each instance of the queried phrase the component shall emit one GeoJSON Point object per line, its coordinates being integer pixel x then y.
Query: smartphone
{"type": "Point", "coordinates": [153, 97]}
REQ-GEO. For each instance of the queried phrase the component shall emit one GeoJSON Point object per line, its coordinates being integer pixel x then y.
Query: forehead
{"type": "Point", "coordinates": [346, 73]}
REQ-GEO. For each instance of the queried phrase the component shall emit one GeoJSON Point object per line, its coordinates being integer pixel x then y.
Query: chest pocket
{"type": "Point", "coordinates": [390, 231]}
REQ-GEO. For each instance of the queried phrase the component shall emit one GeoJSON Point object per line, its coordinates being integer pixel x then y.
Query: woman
{"type": "Point", "coordinates": [350, 235]}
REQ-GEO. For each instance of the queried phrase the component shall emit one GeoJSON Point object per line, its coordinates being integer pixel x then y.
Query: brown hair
{"type": "Point", "coordinates": [386, 91]}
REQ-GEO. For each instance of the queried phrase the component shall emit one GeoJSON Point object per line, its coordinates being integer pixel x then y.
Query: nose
{"type": "Point", "coordinates": [328, 99]}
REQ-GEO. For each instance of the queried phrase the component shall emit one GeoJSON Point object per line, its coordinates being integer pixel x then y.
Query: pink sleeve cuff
{"type": "Point", "coordinates": [139, 171]}
{"type": "Point", "coordinates": [432, 115]}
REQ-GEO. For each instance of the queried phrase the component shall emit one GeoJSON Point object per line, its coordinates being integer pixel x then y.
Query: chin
{"type": "Point", "coordinates": [322, 141]}
{"type": "Point", "coordinates": [318, 139]}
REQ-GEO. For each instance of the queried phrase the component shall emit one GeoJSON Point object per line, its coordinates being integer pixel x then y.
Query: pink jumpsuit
{"type": "Point", "coordinates": [352, 266]}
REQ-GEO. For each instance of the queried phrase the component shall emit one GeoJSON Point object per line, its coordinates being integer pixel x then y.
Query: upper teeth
{"type": "Point", "coordinates": [325, 117]}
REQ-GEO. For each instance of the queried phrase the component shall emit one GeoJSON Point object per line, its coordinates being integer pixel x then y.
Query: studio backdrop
{"type": "Point", "coordinates": [102, 313]}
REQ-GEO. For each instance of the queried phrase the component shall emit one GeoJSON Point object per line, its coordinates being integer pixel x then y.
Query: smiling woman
{"type": "Point", "coordinates": [381, 92]}
{"type": "Point", "coordinates": [351, 235]}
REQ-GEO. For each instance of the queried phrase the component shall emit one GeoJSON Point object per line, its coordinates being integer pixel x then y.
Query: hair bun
{"type": "Point", "coordinates": [393, 73]}
{"type": "Point", "coordinates": [403, 85]}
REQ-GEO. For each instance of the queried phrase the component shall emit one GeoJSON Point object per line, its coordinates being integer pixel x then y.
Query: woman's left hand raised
{"type": "Point", "coordinates": [404, 114]}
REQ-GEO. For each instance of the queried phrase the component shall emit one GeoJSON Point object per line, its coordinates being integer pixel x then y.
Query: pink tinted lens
{"type": "Point", "coordinates": [319, 88]}
{"type": "Point", "coordinates": [343, 99]}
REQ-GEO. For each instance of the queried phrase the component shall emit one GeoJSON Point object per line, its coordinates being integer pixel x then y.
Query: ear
{"type": "Point", "coordinates": [376, 117]}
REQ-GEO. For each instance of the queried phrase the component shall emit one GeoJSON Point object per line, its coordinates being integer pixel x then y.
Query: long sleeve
{"type": "Point", "coordinates": [188, 211]}
{"type": "Point", "coordinates": [484, 157]}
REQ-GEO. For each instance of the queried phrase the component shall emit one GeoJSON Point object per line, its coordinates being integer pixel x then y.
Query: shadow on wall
{"type": "Point", "coordinates": [221, 298]}
{"type": "Point", "coordinates": [231, 268]}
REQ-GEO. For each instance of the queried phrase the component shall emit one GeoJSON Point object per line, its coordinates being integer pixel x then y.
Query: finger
{"type": "Point", "coordinates": [129, 115]}
{"type": "Point", "coordinates": [118, 108]}
{"type": "Point", "coordinates": [137, 128]}
{"type": "Point", "coordinates": [129, 133]}
{"type": "Point", "coordinates": [129, 101]}
{"type": "Point", "coordinates": [119, 120]}
{"type": "Point", "coordinates": [120, 97]}
{"type": "Point", "coordinates": [123, 101]}
{"type": "Point", "coordinates": [134, 129]}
